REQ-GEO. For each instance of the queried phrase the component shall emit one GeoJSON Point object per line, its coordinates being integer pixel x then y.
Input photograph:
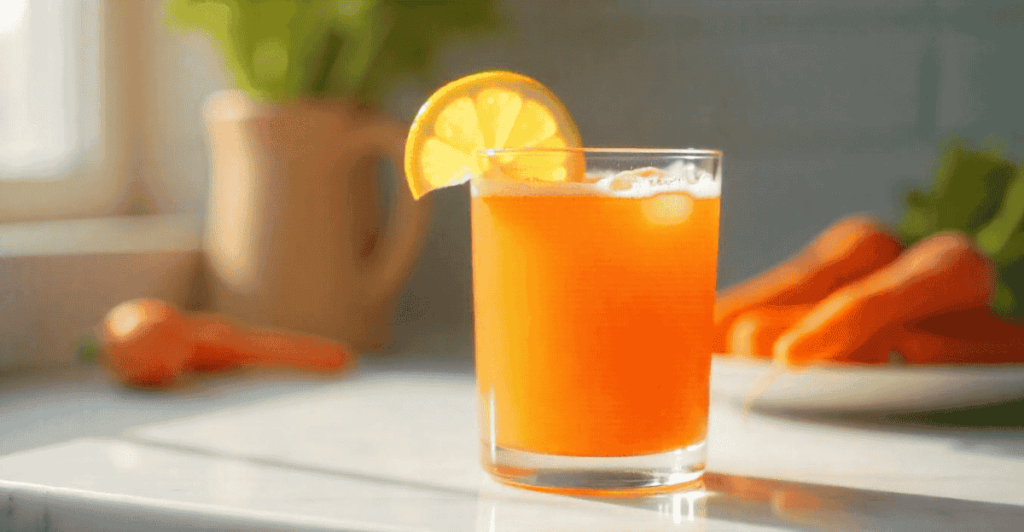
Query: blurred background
{"type": "Point", "coordinates": [822, 108]}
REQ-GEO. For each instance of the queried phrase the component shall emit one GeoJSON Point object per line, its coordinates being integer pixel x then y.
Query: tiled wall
{"type": "Point", "coordinates": [823, 108]}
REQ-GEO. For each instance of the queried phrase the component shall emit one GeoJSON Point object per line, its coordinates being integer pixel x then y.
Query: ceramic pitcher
{"type": "Point", "coordinates": [295, 236]}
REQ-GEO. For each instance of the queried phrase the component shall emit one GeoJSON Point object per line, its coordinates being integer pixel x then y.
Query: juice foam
{"type": "Point", "coordinates": [640, 183]}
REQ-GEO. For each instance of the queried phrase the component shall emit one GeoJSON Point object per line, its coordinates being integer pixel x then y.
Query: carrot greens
{"type": "Point", "coordinates": [979, 191]}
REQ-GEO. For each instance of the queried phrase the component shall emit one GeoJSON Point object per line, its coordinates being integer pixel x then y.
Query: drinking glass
{"type": "Point", "coordinates": [594, 286]}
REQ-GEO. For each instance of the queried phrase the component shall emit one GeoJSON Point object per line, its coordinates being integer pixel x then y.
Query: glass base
{"type": "Point", "coordinates": [597, 476]}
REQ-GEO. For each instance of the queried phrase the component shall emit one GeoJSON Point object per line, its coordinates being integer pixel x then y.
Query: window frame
{"type": "Point", "coordinates": [70, 250]}
{"type": "Point", "coordinates": [96, 184]}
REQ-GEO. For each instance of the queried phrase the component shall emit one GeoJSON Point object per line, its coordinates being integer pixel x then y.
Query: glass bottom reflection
{"type": "Point", "coordinates": [511, 509]}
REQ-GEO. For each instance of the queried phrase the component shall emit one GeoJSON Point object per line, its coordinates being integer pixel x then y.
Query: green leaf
{"type": "Point", "coordinates": [919, 218]}
{"type": "Point", "coordinates": [1010, 290]}
{"type": "Point", "coordinates": [1004, 303]}
{"type": "Point", "coordinates": [979, 191]}
{"type": "Point", "coordinates": [88, 349]}
{"type": "Point", "coordinates": [363, 40]}
{"type": "Point", "coordinates": [969, 186]}
{"type": "Point", "coordinates": [997, 236]}
{"type": "Point", "coordinates": [360, 49]}
{"type": "Point", "coordinates": [218, 19]}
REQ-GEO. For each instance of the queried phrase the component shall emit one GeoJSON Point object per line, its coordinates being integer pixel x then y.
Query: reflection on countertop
{"type": "Point", "coordinates": [391, 446]}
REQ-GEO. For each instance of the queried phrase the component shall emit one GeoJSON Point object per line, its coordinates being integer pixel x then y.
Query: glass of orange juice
{"type": "Point", "coordinates": [593, 298]}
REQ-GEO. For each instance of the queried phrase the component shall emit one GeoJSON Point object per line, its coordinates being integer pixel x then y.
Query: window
{"type": "Point", "coordinates": [77, 122]}
{"type": "Point", "coordinates": [60, 154]}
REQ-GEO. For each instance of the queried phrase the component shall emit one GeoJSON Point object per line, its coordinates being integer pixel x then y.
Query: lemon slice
{"type": "Point", "coordinates": [488, 110]}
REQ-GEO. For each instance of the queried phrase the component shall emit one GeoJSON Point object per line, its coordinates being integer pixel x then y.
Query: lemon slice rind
{"type": "Point", "coordinates": [494, 109]}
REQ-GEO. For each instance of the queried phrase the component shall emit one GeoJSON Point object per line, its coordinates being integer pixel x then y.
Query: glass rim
{"type": "Point", "coordinates": [648, 152]}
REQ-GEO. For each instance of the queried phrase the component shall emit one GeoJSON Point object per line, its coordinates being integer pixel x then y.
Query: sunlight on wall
{"type": "Point", "coordinates": [12, 13]}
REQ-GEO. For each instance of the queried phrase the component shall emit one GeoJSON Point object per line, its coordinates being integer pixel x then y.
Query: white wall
{"type": "Point", "coordinates": [823, 108]}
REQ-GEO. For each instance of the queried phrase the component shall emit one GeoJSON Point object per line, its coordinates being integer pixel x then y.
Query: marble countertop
{"type": "Point", "coordinates": [392, 446]}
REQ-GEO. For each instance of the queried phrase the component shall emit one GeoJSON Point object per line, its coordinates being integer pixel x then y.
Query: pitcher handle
{"type": "Point", "coordinates": [399, 244]}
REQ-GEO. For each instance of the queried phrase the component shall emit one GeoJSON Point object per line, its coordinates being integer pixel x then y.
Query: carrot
{"type": "Point", "coordinates": [150, 343]}
{"type": "Point", "coordinates": [219, 344]}
{"type": "Point", "coordinates": [146, 341]}
{"type": "Point", "coordinates": [972, 336]}
{"type": "Point", "coordinates": [845, 251]}
{"type": "Point", "coordinates": [754, 333]}
{"type": "Point", "coordinates": [215, 347]}
{"type": "Point", "coordinates": [942, 273]}
{"type": "Point", "coordinates": [877, 350]}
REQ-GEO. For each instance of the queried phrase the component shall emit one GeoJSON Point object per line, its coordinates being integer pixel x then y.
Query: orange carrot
{"type": "Point", "coordinates": [146, 341]}
{"type": "Point", "coordinates": [150, 343]}
{"type": "Point", "coordinates": [215, 347]}
{"type": "Point", "coordinates": [973, 336]}
{"type": "Point", "coordinates": [219, 344]}
{"type": "Point", "coordinates": [845, 251]}
{"type": "Point", "coordinates": [877, 350]}
{"type": "Point", "coordinates": [754, 333]}
{"type": "Point", "coordinates": [943, 273]}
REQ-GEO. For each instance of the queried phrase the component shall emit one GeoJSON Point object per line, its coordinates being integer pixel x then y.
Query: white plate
{"type": "Point", "coordinates": [881, 388]}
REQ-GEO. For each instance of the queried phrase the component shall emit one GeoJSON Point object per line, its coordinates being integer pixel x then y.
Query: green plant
{"type": "Point", "coordinates": [978, 190]}
{"type": "Point", "coordinates": [283, 49]}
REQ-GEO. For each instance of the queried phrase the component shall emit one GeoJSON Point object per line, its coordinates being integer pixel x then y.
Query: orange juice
{"type": "Point", "coordinates": [593, 320]}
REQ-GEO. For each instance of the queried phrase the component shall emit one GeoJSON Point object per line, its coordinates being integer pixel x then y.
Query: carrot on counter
{"type": "Point", "coordinates": [220, 343]}
{"type": "Point", "coordinates": [943, 273]}
{"type": "Point", "coordinates": [972, 336]}
{"type": "Point", "coordinates": [150, 343]}
{"type": "Point", "coordinates": [845, 251]}
{"type": "Point", "coordinates": [754, 332]}
{"type": "Point", "coordinates": [146, 341]}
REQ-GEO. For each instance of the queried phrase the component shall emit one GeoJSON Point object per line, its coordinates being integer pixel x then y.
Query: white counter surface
{"type": "Point", "coordinates": [392, 446]}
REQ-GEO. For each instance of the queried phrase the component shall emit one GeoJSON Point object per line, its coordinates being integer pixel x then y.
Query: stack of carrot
{"type": "Point", "coordinates": [942, 291]}
{"type": "Point", "coordinates": [855, 295]}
